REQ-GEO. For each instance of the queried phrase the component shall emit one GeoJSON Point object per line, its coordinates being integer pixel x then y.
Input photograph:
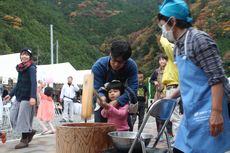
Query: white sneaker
{"type": "Point", "coordinates": [97, 107]}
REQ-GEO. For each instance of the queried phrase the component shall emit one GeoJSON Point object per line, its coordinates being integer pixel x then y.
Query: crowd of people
{"type": "Point", "coordinates": [190, 70]}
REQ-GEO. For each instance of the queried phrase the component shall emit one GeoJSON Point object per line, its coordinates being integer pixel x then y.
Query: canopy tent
{"type": "Point", "coordinates": [79, 76]}
{"type": "Point", "coordinates": [8, 65]}
{"type": "Point", "coordinates": [58, 73]}
{"type": "Point", "coordinates": [55, 73]}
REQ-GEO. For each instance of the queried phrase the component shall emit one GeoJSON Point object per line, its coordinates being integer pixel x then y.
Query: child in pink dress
{"type": "Point", "coordinates": [45, 112]}
{"type": "Point", "coordinates": [117, 115]}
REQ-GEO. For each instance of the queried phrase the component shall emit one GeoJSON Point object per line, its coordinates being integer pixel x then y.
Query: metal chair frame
{"type": "Point", "coordinates": [152, 111]}
{"type": "Point", "coordinates": [6, 117]}
{"type": "Point", "coordinates": [56, 104]}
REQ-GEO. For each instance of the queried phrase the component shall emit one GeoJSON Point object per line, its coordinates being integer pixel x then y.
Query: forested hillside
{"type": "Point", "coordinates": [85, 28]}
{"type": "Point", "coordinates": [80, 26]}
{"type": "Point", "coordinates": [212, 16]}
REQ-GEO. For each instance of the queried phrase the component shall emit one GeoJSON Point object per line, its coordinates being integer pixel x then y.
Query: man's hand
{"type": "Point", "coordinates": [32, 101]}
{"type": "Point", "coordinates": [7, 98]}
{"type": "Point", "coordinates": [101, 100]}
{"type": "Point", "coordinates": [216, 123]}
{"type": "Point", "coordinates": [102, 103]}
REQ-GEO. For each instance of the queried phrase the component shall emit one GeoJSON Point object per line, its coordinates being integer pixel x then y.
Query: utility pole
{"type": "Point", "coordinates": [57, 51]}
{"type": "Point", "coordinates": [38, 52]}
{"type": "Point", "coordinates": [51, 45]}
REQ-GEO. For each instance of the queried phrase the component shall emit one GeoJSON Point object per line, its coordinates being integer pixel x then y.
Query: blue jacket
{"type": "Point", "coordinates": [103, 73]}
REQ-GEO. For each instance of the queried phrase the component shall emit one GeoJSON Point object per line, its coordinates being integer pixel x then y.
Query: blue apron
{"type": "Point", "coordinates": [193, 135]}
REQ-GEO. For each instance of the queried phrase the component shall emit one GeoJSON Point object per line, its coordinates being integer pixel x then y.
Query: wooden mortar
{"type": "Point", "coordinates": [83, 137]}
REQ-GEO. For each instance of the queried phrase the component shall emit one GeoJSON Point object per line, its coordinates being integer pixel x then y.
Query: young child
{"type": "Point", "coordinates": [141, 98]}
{"type": "Point", "coordinates": [116, 115]}
{"type": "Point", "coordinates": [3, 136]}
{"type": "Point", "coordinates": [46, 109]}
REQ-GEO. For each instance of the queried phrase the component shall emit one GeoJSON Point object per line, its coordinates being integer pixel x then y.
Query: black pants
{"type": "Point", "coordinates": [140, 114]}
{"type": "Point", "coordinates": [97, 114]}
{"type": "Point", "coordinates": [160, 123]}
{"type": "Point", "coordinates": [98, 117]}
{"type": "Point", "coordinates": [175, 150]}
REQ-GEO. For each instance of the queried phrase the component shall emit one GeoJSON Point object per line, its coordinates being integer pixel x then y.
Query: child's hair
{"type": "Point", "coordinates": [162, 56]}
{"type": "Point", "coordinates": [140, 72]}
{"type": "Point", "coordinates": [115, 84]}
{"type": "Point", "coordinates": [48, 91]}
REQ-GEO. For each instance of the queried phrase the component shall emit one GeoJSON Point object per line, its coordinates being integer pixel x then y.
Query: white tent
{"type": "Point", "coordinates": [79, 76]}
{"type": "Point", "coordinates": [8, 65]}
{"type": "Point", "coordinates": [58, 73]}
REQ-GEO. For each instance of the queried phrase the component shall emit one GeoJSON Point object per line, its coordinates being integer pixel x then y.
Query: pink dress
{"type": "Point", "coordinates": [46, 108]}
{"type": "Point", "coordinates": [117, 116]}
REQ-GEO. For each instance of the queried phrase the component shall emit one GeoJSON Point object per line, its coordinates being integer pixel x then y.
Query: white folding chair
{"type": "Point", "coordinates": [6, 117]}
{"type": "Point", "coordinates": [57, 108]}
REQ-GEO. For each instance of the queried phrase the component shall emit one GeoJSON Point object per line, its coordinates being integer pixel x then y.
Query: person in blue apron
{"type": "Point", "coordinates": [204, 88]}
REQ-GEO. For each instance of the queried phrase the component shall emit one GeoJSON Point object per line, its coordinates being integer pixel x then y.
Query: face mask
{"type": "Point", "coordinates": [168, 34]}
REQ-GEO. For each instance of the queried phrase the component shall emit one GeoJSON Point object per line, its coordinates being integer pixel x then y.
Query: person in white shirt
{"type": "Point", "coordinates": [67, 96]}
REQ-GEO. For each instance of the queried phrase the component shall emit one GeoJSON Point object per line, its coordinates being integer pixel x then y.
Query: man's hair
{"type": "Point", "coordinates": [48, 91]}
{"type": "Point", "coordinates": [122, 49]}
{"type": "Point", "coordinates": [162, 56]}
{"type": "Point", "coordinates": [179, 23]}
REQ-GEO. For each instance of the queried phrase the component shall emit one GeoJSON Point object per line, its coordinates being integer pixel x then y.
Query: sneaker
{"type": "Point", "coordinates": [48, 132]}
{"type": "Point", "coordinates": [22, 144]}
{"type": "Point", "coordinates": [63, 120]}
{"type": "Point", "coordinates": [43, 132]}
{"type": "Point", "coordinates": [31, 135]}
{"type": "Point", "coordinates": [3, 137]}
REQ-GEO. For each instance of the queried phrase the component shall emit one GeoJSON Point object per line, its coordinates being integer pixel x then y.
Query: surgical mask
{"type": "Point", "coordinates": [168, 34]}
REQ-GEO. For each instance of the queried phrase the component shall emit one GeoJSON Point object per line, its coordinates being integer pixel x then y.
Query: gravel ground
{"type": "Point", "coordinates": [13, 135]}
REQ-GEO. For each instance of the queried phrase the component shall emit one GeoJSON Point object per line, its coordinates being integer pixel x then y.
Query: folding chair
{"type": "Point", "coordinates": [6, 116]}
{"type": "Point", "coordinates": [57, 107]}
{"type": "Point", "coordinates": [162, 109]}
